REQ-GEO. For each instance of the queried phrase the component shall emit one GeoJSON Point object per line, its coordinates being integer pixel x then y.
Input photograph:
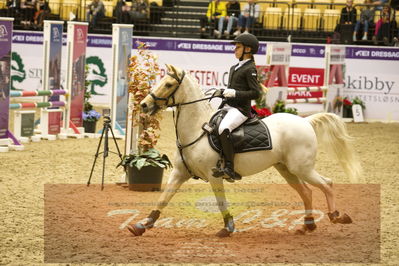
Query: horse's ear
{"type": "Point", "coordinates": [172, 69]}
{"type": "Point", "coordinates": [169, 67]}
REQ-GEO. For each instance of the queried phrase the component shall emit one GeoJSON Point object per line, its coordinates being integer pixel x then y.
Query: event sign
{"type": "Point", "coordinates": [5, 65]}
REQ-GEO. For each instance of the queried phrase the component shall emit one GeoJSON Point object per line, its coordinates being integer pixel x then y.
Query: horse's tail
{"type": "Point", "coordinates": [331, 130]}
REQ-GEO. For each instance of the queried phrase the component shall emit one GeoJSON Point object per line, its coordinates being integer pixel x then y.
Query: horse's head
{"type": "Point", "coordinates": [163, 95]}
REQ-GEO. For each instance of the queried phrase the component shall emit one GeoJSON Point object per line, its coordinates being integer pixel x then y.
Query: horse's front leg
{"type": "Point", "coordinates": [218, 190]}
{"type": "Point", "coordinates": [178, 177]}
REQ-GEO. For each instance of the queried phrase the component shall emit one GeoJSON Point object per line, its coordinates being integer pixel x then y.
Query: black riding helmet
{"type": "Point", "coordinates": [249, 40]}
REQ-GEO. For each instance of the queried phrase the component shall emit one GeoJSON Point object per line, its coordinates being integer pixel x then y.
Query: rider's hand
{"type": "Point", "coordinates": [218, 93]}
{"type": "Point", "coordinates": [229, 93]}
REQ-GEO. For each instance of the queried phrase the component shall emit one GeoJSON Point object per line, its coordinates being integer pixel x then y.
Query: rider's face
{"type": "Point", "coordinates": [238, 50]}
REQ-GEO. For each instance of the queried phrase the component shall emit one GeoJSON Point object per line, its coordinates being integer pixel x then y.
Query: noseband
{"type": "Point", "coordinates": [179, 81]}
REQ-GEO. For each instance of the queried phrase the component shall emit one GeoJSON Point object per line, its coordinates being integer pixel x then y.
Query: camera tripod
{"type": "Point", "coordinates": [107, 127]}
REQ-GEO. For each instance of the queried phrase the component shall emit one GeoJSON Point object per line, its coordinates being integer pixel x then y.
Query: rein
{"type": "Point", "coordinates": [180, 146]}
{"type": "Point", "coordinates": [176, 119]}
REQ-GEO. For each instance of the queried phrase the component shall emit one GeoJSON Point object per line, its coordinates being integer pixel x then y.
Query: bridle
{"type": "Point", "coordinates": [172, 95]}
{"type": "Point", "coordinates": [176, 117]}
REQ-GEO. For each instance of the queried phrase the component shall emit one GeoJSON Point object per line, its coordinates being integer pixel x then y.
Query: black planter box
{"type": "Point", "coordinates": [90, 126]}
{"type": "Point", "coordinates": [347, 112]}
{"type": "Point", "coordinates": [148, 178]}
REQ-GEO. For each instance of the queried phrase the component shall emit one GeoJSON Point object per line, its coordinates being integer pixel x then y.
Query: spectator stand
{"type": "Point", "coordinates": [3, 8]}
{"type": "Point", "coordinates": [302, 21]}
{"type": "Point", "coordinates": [112, 15]}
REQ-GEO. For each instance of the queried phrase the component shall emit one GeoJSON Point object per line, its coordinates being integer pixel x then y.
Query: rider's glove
{"type": "Point", "coordinates": [218, 93]}
{"type": "Point", "coordinates": [229, 93]}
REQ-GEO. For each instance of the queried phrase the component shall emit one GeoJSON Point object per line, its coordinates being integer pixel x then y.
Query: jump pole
{"type": "Point", "coordinates": [75, 81]}
{"type": "Point", "coordinates": [24, 120]}
{"type": "Point", "coordinates": [7, 139]}
{"type": "Point", "coordinates": [322, 100]}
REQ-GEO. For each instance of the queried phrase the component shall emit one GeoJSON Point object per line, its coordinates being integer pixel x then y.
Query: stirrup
{"type": "Point", "coordinates": [236, 176]}
{"type": "Point", "coordinates": [217, 171]}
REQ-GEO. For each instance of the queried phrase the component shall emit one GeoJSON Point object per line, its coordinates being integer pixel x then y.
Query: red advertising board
{"type": "Point", "coordinates": [305, 77]}
{"type": "Point", "coordinates": [78, 74]}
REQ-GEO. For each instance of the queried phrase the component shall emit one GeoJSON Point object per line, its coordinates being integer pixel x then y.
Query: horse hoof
{"type": "Point", "coordinates": [344, 219]}
{"type": "Point", "coordinates": [136, 230]}
{"type": "Point", "coordinates": [310, 224]}
{"type": "Point", "coordinates": [223, 233]}
{"type": "Point", "coordinates": [301, 231]}
{"type": "Point", "coordinates": [306, 228]}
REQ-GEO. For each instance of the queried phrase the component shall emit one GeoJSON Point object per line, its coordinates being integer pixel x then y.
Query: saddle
{"type": "Point", "coordinates": [252, 135]}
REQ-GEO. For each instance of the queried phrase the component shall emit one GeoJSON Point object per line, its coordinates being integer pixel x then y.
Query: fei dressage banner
{"type": "Point", "coordinates": [371, 72]}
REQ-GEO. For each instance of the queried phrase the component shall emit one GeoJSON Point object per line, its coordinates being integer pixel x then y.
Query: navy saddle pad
{"type": "Point", "coordinates": [253, 135]}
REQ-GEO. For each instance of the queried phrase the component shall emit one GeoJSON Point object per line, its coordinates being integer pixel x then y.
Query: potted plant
{"type": "Point", "coordinates": [260, 106]}
{"type": "Point", "coordinates": [144, 165]}
{"type": "Point", "coordinates": [145, 169]}
{"type": "Point", "coordinates": [90, 119]}
{"type": "Point", "coordinates": [279, 107]}
{"type": "Point", "coordinates": [347, 106]}
{"type": "Point", "coordinates": [90, 116]}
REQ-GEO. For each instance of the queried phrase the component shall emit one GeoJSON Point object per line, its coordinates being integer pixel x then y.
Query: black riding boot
{"type": "Point", "coordinates": [228, 153]}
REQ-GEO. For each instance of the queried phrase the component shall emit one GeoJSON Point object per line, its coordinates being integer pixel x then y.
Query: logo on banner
{"type": "Point", "coordinates": [362, 53]}
{"type": "Point", "coordinates": [184, 45]}
{"type": "Point", "coordinates": [56, 34]}
{"type": "Point", "coordinates": [299, 51]}
{"type": "Point", "coordinates": [376, 54]}
{"type": "Point", "coordinates": [79, 35]}
{"type": "Point", "coordinates": [3, 31]}
{"type": "Point", "coordinates": [18, 73]}
{"type": "Point", "coordinates": [369, 83]}
{"type": "Point", "coordinates": [96, 74]}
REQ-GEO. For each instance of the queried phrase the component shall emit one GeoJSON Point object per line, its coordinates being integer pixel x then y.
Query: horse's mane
{"type": "Point", "coordinates": [195, 86]}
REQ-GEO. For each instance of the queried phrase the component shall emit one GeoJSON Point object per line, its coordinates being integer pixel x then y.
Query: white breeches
{"type": "Point", "coordinates": [233, 119]}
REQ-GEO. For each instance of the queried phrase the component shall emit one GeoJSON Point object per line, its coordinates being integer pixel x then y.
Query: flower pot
{"type": "Point", "coordinates": [347, 112]}
{"type": "Point", "coordinates": [148, 178]}
{"type": "Point", "coordinates": [90, 126]}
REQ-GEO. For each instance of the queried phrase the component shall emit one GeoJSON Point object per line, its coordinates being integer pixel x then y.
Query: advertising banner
{"type": "Point", "coordinates": [54, 126]}
{"type": "Point", "coordinates": [366, 69]}
{"type": "Point", "coordinates": [27, 124]}
{"type": "Point", "coordinates": [53, 67]}
{"type": "Point", "coordinates": [76, 72]}
{"type": "Point", "coordinates": [123, 46]}
{"type": "Point", "coordinates": [5, 65]}
{"type": "Point", "coordinates": [372, 76]}
{"type": "Point", "coordinates": [306, 70]}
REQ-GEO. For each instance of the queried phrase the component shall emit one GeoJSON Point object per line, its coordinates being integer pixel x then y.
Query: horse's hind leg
{"type": "Point", "coordinates": [304, 192]}
{"type": "Point", "coordinates": [325, 185]}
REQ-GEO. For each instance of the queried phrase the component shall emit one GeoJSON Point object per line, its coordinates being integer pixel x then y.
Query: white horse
{"type": "Point", "coordinates": [293, 155]}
